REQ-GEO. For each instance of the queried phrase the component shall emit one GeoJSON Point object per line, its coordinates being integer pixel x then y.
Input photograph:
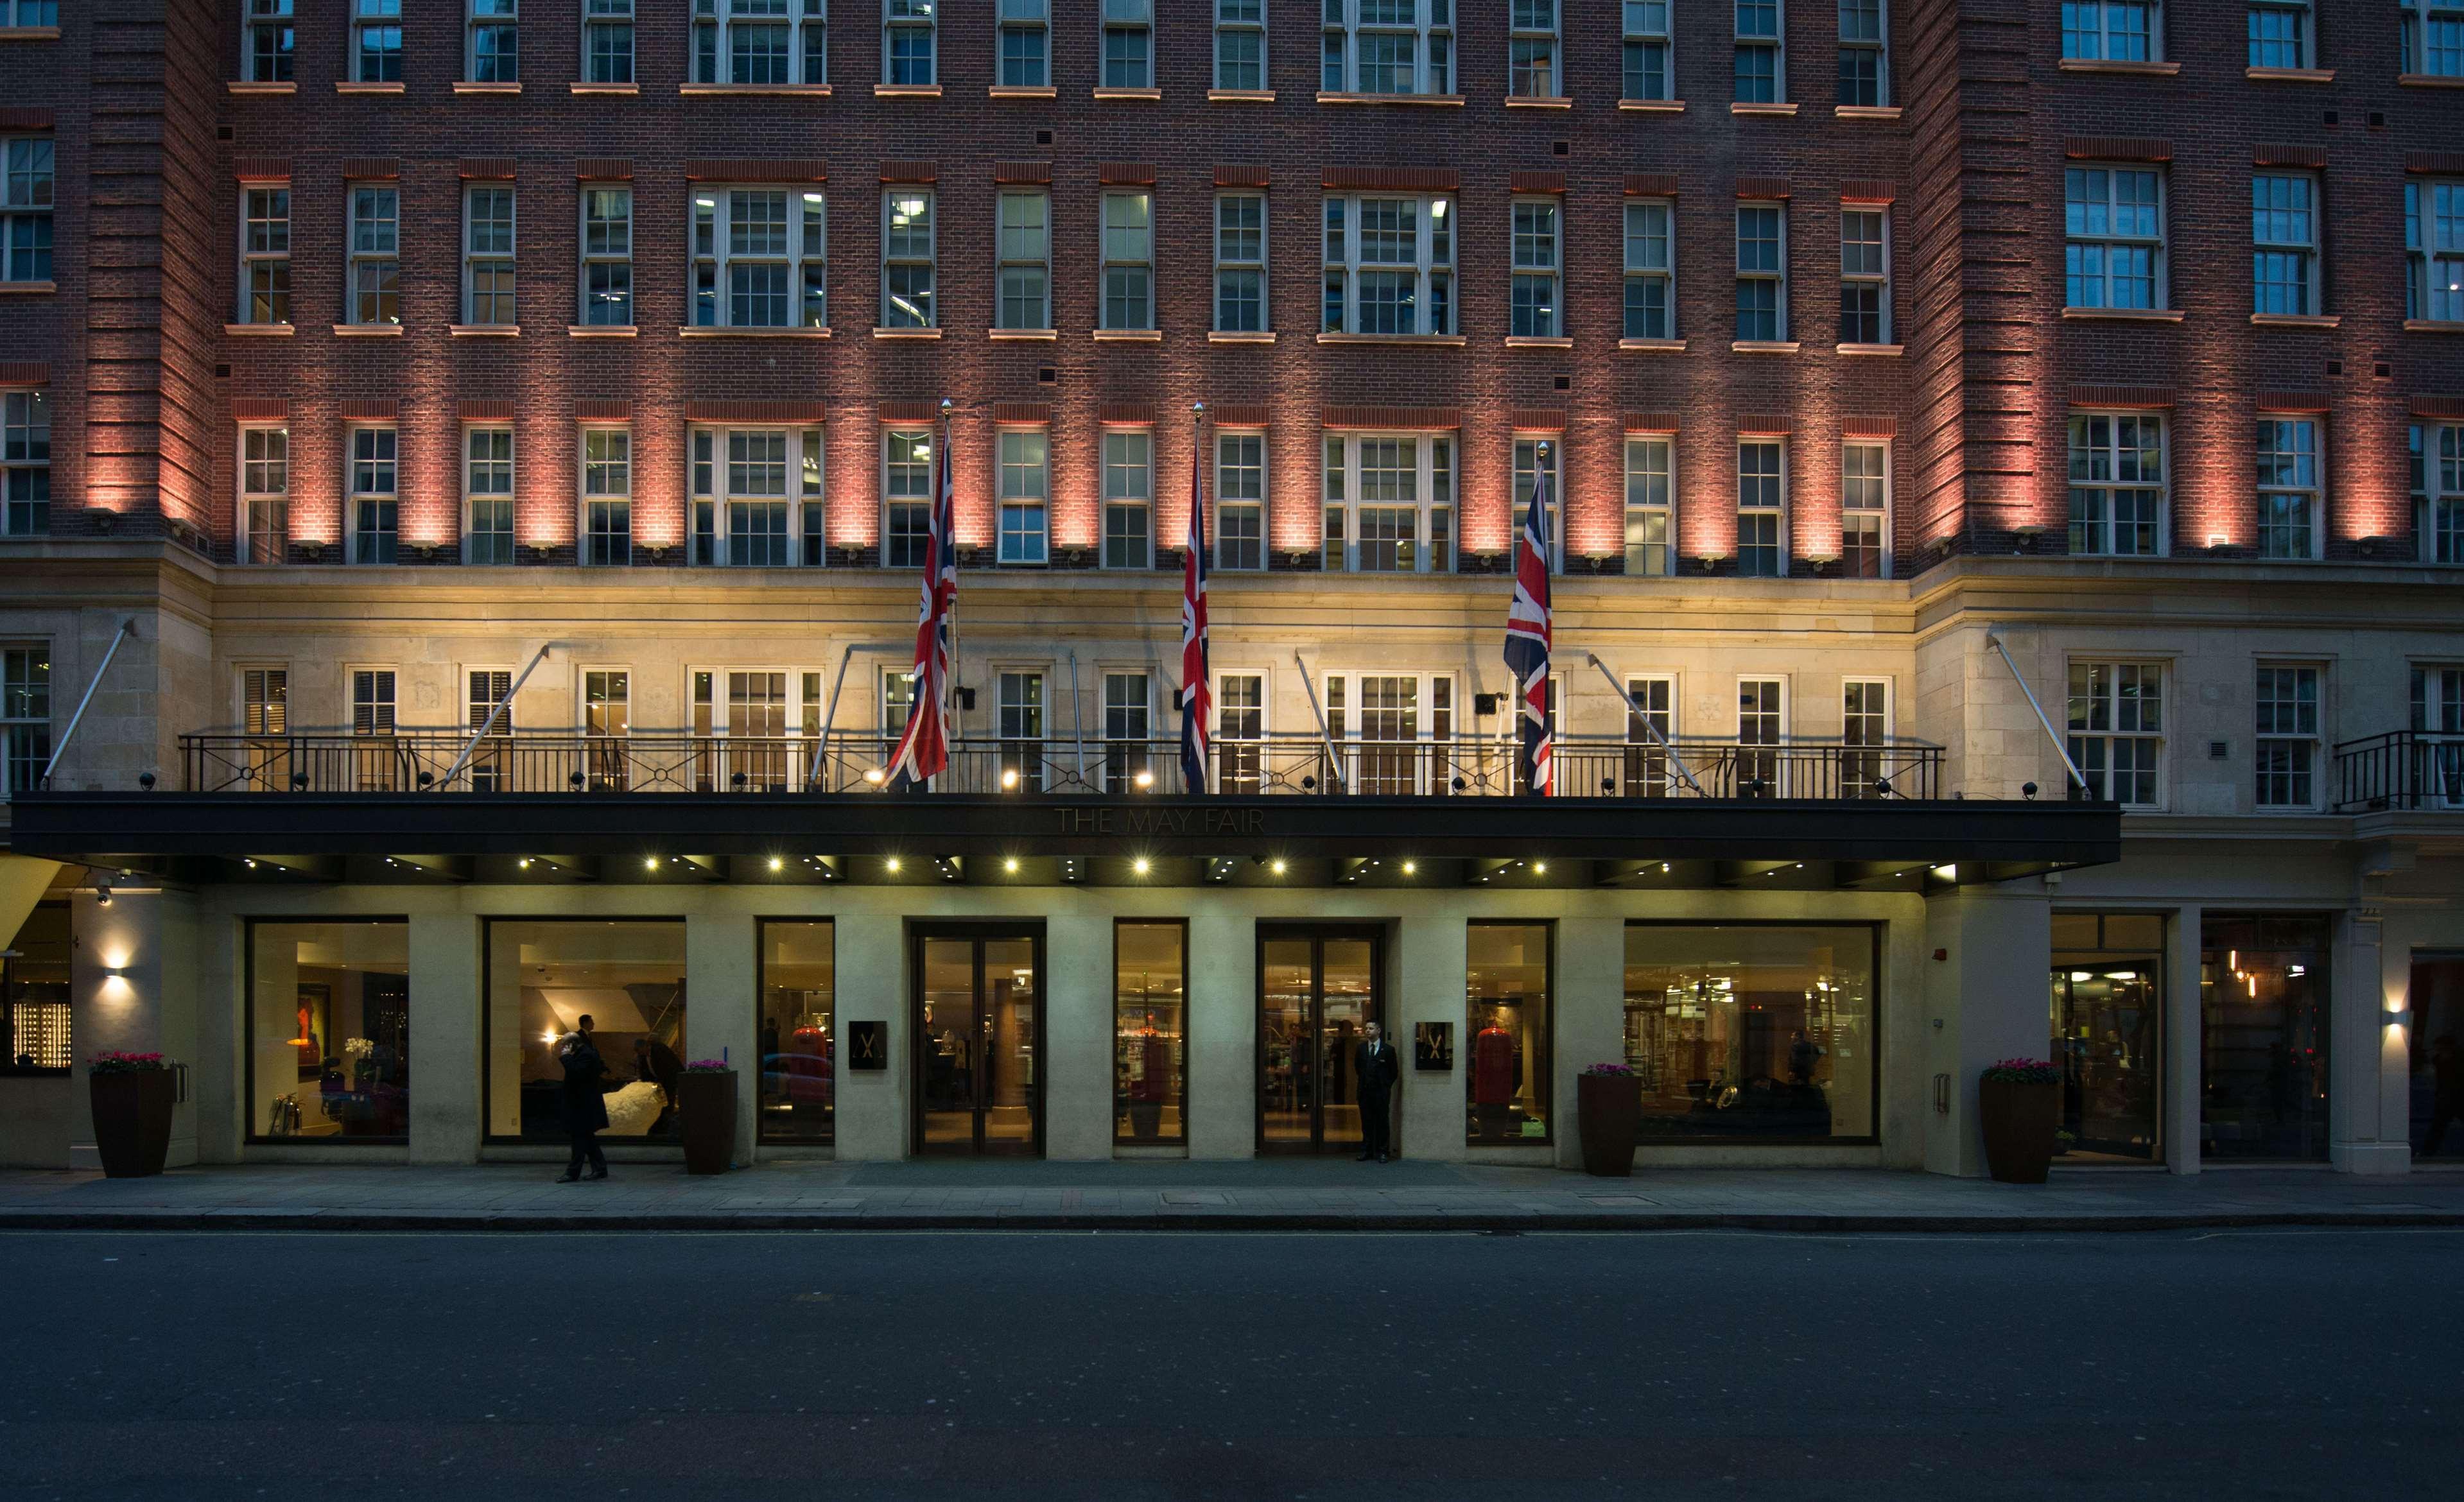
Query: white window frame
{"type": "Point", "coordinates": [1646, 773]}
{"type": "Point", "coordinates": [2437, 459]}
{"type": "Point", "coordinates": [713, 495]}
{"type": "Point", "coordinates": [616, 688]}
{"type": "Point", "coordinates": [2289, 229]}
{"type": "Point", "coordinates": [1127, 249]}
{"type": "Point", "coordinates": [916, 503]}
{"type": "Point", "coordinates": [25, 714]}
{"type": "Point", "coordinates": [2440, 56]}
{"type": "Point", "coordinates": [1022, 489]}
{"type": "Point", "coordinates": [604, 479]}
{"type": "Point", "coordinates": [2303, 42]}
{"type": "Point", "coordinates": [261, 530]}
{"type": "Point", "coordinates": [1121, 767]}
{"type": "Point", "coordinates": [1526, 456]}
{"type": "Point", "coordinates": [777, 766]}
{"type": "Point", "coordinates": [1439, 717]}
{"type": "Point", "coordinates": [2287, 723]}
{"type": "Point", "coordinates": [379, 457]}
{"type": "Point", "coordinates": [1022, 19]}
{"type": "Point", "coordinates": [33, 204]}
{"type": "Point", "coordinates": [909, 18]}
{"type": "Point", "coordinates": [1640, 271]}
{"type": "Point", "coordinates": [2435, 713]}
{"type": "Point", "coordinates": [601, 247]}
{"type": "Point", "coordinates": [1024, 726]}
{"type": "Point", "coordinates": [30, 13]}
{"type": "Point", "coordinates": [1762, 761]}
{"type": "Point", "coordinates": [492, 15]}
{"type": "Point", "coordinates": [1241, 18]}
{"type": "Point", "coordinates": [1877, 46]}
{"type": "Point", "coordinates": [1535, 56]}
{"type": "Point", "coordinates": [713, 39]}
{"type": "Point", "coordinates": [383, 233]}
{"type": "Point", "coordinates": [1240, 747]}
{"type": "Point", "coordinates": [382, 18]}
{"type": "Point", "coordinates": [2125, 719]}
{"type": "Point", "coordinates": [1228, 239]}
{"type": "Point", "coordinates": [1773, 41]}
{"type": "Point", "coordinates": [1132, 24]}
{"type": "Point", "coordinates": [1011, 255]}
{"type": "Point", "coordinates": [2434, 246]}
{"type": "Point", "coordinates": [261, 692]}
{"type": "Point", "coordinates": [1437, 518]}
{"type": "Point", "coordinates": [2090, 32]}
{"type": "Point", "coordinates": [1121, 477]}
{"type": "Point", "coordinates": [2297, 478]}
{"type": "Point", "coordinates": [264, 245]}
{"type": "Point", "coordinates": [712, 220]}
{"type": "Point", "coordinates": [1881, 514]}
{"type": "Point", "coordinates": [613, 19]}
{"type": "Point", "coordinates": [1538, 264]}
{"type": "Point", "coordinates": [1431, 270]}
{"type": "Point", "coordinates": [25, 461]}
{"type": "Point", "coordinates": [484, 469]}
{"type": "Point", "coordinates": [1430, 43]}
{"type": "Point", "coordinates": [271, 20]}
{"type": "Point", "coordinates": [1656, 486]}
{"type": "Point", "coordinates": [1876, 277]}
{"type": "Point", "coordinates": [1774, 277]}
{"type": "Point", "coordinates": [2093, 189]}
{"type": "Point", "coordinates": [489, 258]}
{"type": "Point", "coordinates": [1777, 513]}
{"type": "Point", "coordinates": [904, 257]}
{"type": "Point", "coordinates": [1254, 510]}
{"type": "Point", "coordinates": [2096, 536]}
{"type": "Point", "coordinates": [375, 688]}
{"type": "Point", "coordinates": [1646, 26]}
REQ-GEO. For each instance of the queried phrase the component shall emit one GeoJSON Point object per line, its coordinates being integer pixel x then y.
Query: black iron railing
{"type": "Point", "coordinates": [530, 761]}
{"type": "Point", "coordinates": [2400, 769]}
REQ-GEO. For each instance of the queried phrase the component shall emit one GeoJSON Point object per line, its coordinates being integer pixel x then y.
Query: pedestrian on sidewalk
{"type": "Point", "coordinates": [1375, 1072]}
{"type": "Point", "coordinates": [586, 1103]}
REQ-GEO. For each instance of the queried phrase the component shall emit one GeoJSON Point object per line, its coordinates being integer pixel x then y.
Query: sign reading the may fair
{"type": "Point", "coordinates": [1162, 822]}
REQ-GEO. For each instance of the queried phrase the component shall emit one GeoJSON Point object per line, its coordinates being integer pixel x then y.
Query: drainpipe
{"type": "Point", "coordinates": [1994, 640]}
{"type": "Point", "coordinates": [127, 629]}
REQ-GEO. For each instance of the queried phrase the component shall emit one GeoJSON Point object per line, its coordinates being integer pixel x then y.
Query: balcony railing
{"type": "Point", "coordinates": [530, 761]}
{"type": "Point", "coordinates": [2400, 769]}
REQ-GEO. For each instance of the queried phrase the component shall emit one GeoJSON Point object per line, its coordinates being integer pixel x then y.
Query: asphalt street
{"type": "Point", "coordinates": [2243, 1364]}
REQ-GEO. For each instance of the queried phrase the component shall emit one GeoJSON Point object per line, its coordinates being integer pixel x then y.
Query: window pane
{"type": "Point", "coordinates": [1149, 1011]}
{"type": "Point", "coordinates": [799, 1013]}
{"type": "Point", "coordinates": [543, 978]}
{"type": "Point", "coordinates": [1752, 1034]}
{"type": "Point", "coordinates": [329, 1031]}
{"type": "Point", "coordinates": [1507, 991]}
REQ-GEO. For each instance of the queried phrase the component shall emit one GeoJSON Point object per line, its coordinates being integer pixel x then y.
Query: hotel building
{"type": "Point", "coordinates": [467, 467]}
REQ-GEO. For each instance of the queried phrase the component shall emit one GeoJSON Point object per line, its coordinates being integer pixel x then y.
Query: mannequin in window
{"type": "Point", "coordinates": [1496, 1074]}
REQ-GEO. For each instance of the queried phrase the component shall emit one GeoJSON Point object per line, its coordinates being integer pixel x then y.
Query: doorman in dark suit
{"type": "Point", "coordinates": [1375, 1069]}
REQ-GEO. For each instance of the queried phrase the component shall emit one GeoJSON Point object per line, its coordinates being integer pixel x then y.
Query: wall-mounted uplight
{"type": "Point", "coordinates": [1949, 872]}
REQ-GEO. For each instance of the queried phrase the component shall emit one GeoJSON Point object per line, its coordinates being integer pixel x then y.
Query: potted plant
{"type": "Point", "coordinates": [706, 1115]}
{"type": "Point", "coordinates": [1608, 1110]}
{"type": "Point", "coordinates": [2019, 1101]}
{"type": "Point", "coordinates": [133, 1095]}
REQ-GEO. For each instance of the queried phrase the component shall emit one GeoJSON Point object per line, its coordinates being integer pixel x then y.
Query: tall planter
{"type": "Point", "coordinates": [2020, 1118]}
{"type": "Point", "coordinates": [132, 1119]}
{"type": "Point", "coordinates": [706, 1118]}
{"type": "Point", "coordinates": [1608, 1111]}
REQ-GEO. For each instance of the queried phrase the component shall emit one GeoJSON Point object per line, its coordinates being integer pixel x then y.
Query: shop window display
{"type": "Point", "coordinates": [1752, 1032]}
{"type": "Point", "coordinates": [2263, 1036]}
{"type": "Point", "coordinates": [1507, 994]}
{"type": "Point", "coordinates": [629, 978]}
{"type": "Point", "coordinates": [1150, 1036]}
{"type": "Point", "coordinates": [799, 1040]}
{"type": "Point", "coordinates": [35, 991]}
{"type": "Point", "coordinates": [2437, 1049]}
{"type": "Point", "coordinates": [329, 1031]}
{"type": "Point", "coordinates": [2109, 1018]}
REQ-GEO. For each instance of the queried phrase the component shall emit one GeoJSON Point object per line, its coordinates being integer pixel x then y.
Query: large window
{"type": "Point", "coordinates": [2113, 251]}
{"type": "Point", "coordinates": [1240, 732]}
{"type": "Point", "coordinates": [2263, 1035]}
{"type": "Point", "coordinates": [1527, 471]}
{"type": "Point", "coordinates": [1390, 503]}
{"type": "Point", "coordinates": [1534, 290]}
{"type": "Point", "coordinates": [1759, 74]}
{"type": "Point", "coordinates": [29, 12]}
{"type": "Point", "coordinates": [1507, 988]}
{"type": "Point", "coordinates": [2288, 487]}
{"type": "Point", "coordinates": [1129, 261]}
{"type": "Point", "coordinates": [799, 1042]}
{"type": "Point", "coordinates": [1762, 273]}
{"type": "Point", "coordinates": [2284, 243]}
{"type": "Point", "coordinates": [608, 41]}
{"type": "Point", "coordinates": [1864, 276]}
{"type": "Point", "coordinates": [1128, 498]}
{"type": "Point", "coordinates": [1241, 44]}
{"type": "Point", "coordinates": [907, 265]}
{"type": "Point", "coordinates": [1240, 500]}
{"type": "Point", "coordinates": [2433, 245]}
{"type": "Point", "coordinates": [35, 1018]}
{"type": "Point", "coordinates": [1650, 507]}
{"type": "Point", "coordinates": [488, 256]}
{"type": "Point", "coordinates": [905, 496]}
{"type": "Point", "coordinates": [1026, 495]}
{"type": "Point", "coordinates": [1026, 44]}
{"type": "Point", "coordinates": [26, 713]}
{"type": "Point", "coordinates": [1387, 47]}
{"type": "Point", "coordinates": [1762, 507]}
{"type": "Point", "coordinates": [268, 42]}
{"type": "Point", "coordinates": [376, 41]}
{"type": "Point", "coordinates": [759, 258]}
{"type": "Point", "coordinates": [1532, 70]}
{"type": "Point", "coordinates": [494, 53]}
{"type": "Point", "coordinates": [1018, 708]}
{"type": "Point", "coordinates": [628, 976]}
{"type": "Point", "coordinates": [2434, 991]}
{"type": "Point", "coordinates": [487, 495]}
{"type": "Point", "coordinates": [757, 496]}
{"type": "Point", "coordinates": [2436, 458]}
{"type": "Point", "coordinates": [2116, 490]}
{"type": "Point", "coordinates": [1650, 269]}
{"type": "Point", "coordinates": [1129, 729]}
{"type": "Point", "coordinates": [1752, 1032]}
{"type": "Point", "coordinates": [1241, 263]}
{"type": "Point", "coordinates": [25, 463]}
{"type": "Point", "coordinates": [1864, 510]}
{"type": "Point", "coordinates": [329, 1031]}
{"type": "Point", "coordinates": [746, 719]}
{"type": "Point", "coordinates": [761, 41]}
{"type": "Point", "coordinates": [25, 210]}
{"type": "Point", "coordinates": [1389, 266]}
{"type": "Point", "coordinates": [2112, 30]}
{"type": "Point", "coordinates": [265, 256]}
{"type": "Point", "coordinates": [264, 494]}
{"type": "Point", "coordinates": [2117, 731]}
{"type": "Point", "coordinates": [1127, 44]}
{"type": "Point", "coordinates": [376, 255]}
{"type": "Point", "coordinates": [1648, 74]}
{"type": "Point", "coordinates": [1397, 730]}
{"type": "Point", "coordinates": [1864, 68]}
{"type": "Point", "coordinates": [2288, 755]}
{"type": "Point", "coordinates": [2433, 38]}
{"type": "Point", "coordinates": [607, 256]}
{"type": "Point", "coordinates": [2108, 1029]}
{"type": "Point", "coordinates": [1025, 300]}
{"type": "Point", "coordinates": [2279, 34]}
{"type": "Point", "coordinates": [907, 38]}
{"type": "Point", "coordinates": [1150, 1033]}
{"type": "Point", "coordinates": [375, 513]}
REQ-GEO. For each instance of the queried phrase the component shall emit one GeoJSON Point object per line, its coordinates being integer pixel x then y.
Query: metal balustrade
{"type": "Point", "coordinates": [2400, 769]}
{"type": "Point", "coordinates": [534, 761]}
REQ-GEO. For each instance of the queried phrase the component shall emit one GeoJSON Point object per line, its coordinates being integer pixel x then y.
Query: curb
{"type": "Point", "coordinates": [858, 1221]}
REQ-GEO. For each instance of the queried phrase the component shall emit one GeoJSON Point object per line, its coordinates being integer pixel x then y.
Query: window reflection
{"type": "Point", "coordinates": [1508, 994]}
{"type": "Point", "coordinates": [543, 977]}
{"type": "Point", "coordinates": [798, 1046]}
{"type": "Point", "coordinates": [1149, 995]}
{"type": "Point", "coordinates": [2263, 1036]}
{"type": "Point", "coordinates": [2107, 1015]}
{"type": "Point", "coordinates": [1751, 1033]}
{"type": "Point", "coordinates": [2436, 997]}
{"type": "Point", "coordinates": [329, 1029]}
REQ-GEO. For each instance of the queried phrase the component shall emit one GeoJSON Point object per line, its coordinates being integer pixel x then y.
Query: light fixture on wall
{"type": "Point", "coordinates": [103, 894]}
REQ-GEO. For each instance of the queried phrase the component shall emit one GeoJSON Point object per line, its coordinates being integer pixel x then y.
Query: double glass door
{"type": "Point", "coordinates": [1318, 989]}
{"type": "Point", "coordinates": [978, 1025]}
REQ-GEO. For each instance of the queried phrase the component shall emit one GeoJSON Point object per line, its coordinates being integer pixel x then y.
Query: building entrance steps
{"type": "Point", "coordinates": [1264, 1194]}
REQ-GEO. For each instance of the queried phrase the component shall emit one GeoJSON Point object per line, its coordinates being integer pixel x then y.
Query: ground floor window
{"type": "Point", "coordinates": [329, 1029]}
{"type": "Point", "coordinates": [1752, 1031]}
{"type": "Point", "coordinates": [2108, 1024]}
{"type": "Point", "coordinates": [1150, 1032]}
{"type": "Point", "coordinates": [799, 990]}
{"type": "Point", "coordinates": [2437, 1054]}
{"type": "Point", "coordinates": [543, 977]}
{"type": "Point", "coordinates": [1507, 988]}
{"type": "Point", "coordinates": [2263, 1036]}
{"type": "Point", "coordinates": [34, 990]}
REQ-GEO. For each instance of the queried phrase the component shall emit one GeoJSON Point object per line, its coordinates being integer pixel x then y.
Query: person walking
{"type": "Point", "coordinates": [1375, 1071]}
{"type": "Point", "coordinates": [585, 1103]}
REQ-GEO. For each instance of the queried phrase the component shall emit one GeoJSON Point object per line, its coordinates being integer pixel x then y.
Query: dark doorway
{"type": "Point", "coordinates": [1317, 990]}
{"type": "Point", "coordinates": [977, 1020]}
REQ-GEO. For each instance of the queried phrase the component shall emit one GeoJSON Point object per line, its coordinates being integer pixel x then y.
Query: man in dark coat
{"type": "Point", "coordinates": [1375, 1071]}
{"type": "Point", "coordinates": [586, 1103]}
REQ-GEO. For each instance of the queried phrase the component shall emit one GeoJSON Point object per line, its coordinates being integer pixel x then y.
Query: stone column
{"type": "Point", "coordinates": [1075, 1053]}
{"type": "Point", "coordinates": [132, 990]}
{"type": "Point", "coordinates": [871, 969]}
{"type": "Point", "coordinates": [447, 1113]}
{"type": "Point", "coordinates": [1589, 1017]}
{"type": "Point", "coordinates": [721, 1010]}
{"type": "Point", "coordinates": [2369, 1125]}
{"type": "Point", "coordinates": [2183, 1040]}
{"type": "Point", "coordinates": [1987, 952]}
{"type": "Point", "coordinates": [1223, 1032]}
{"type": "Point", "coordinates": [1428, 973]}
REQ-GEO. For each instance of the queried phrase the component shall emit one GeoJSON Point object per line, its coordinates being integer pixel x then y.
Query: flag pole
{"type": "Point", "coordinates": [950, 681]}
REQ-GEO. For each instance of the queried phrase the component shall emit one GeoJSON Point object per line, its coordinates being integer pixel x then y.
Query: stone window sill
{"type": "Point", "coordinates": [1773, 110]}
{"type": "Point", "coordinates": [817, 91]}
{"type": "Point", "coordinates": [1868, 349]}
{"type": "Point", "coordinates": [368, 330]}
{"type": "Point", "coordinates": [2296, 320]}
{"type": "Point", "coordinates": [29, 33]}
{"type": "Point", "coordinates": [713, 331]}
{"type": "Point", "coordinates": [1421, 341]}
{"type": "Point", "coordinates": [1241, 336]}
{"type": "Point", "coordinates": [2289, 75]}
{"type": "Point", "coordinates": [1128, 94]}
{"type": "Point", "coordinates": [2150, 70]}
{"type": "Point", "coordinates": [257, 331]}
{"type": "Point", "coordinates": [2433, 326]}
{"type": "Point", "coordinates": [2125, 315]}
{"type": "Point", "coordinates": [1867, 111]}
{"type": "Point", "coordinates": [1539, 101]}
{"type": "Point", "coordinates": [907, 334]}
{"type": "Point", "coordinates": [1652, 346]}
{"type": "Point", "coordinates": [484, 331]}
{"type": "Point", "coordinates": [600, 331]}
{"type": "Point", "coordinates": [2429, 80]}
{"type": "Point", "coordinates": [1022, 336]}
{"type": "Point", "coordinates": [1022, 91]}
{"type": "Point", "coordinates": [606, 88]}
{"type": "Point", "coordinates": [1333, 96]}
{"type": "Point", "coordinates": [1538, 341]}
{"type": "Point", "coordinates": [383, 86]}
{"type": "Point", "coordinates": [244, 86]}
{"type": "Point", "coordinates": [1653, 106]}
{"type": "Point", "coordinates": [30, 289]}
{"type": "Point", "coordinates": [1129, 336]}
{"type": "Point", "coordinates": [1763, 346]}
{"type": "Point", "coordinates": [906, 91]}
{"type": "Point", "coordinates": [474, 86]}
{"type": "Point", "coordinates": [1239, 96]}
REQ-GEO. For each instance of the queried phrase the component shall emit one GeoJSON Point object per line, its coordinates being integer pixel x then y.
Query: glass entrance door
{"type": "Point", "coordinates": [978, 1022]}
{"type": "Point", "coordinates": [1317, 990]}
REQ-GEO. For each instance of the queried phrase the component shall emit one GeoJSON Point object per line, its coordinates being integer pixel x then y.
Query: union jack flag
{"type": "Point", "coordinates": [1527, 636]}
{"type": "Point", "coordinates": [1197, 697]}
{"type": "Point", "coordinates": [924, 746]}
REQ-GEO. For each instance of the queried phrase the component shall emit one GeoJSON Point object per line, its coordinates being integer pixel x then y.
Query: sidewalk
{"type": "Point", "coordinates": [1265, 1194]}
